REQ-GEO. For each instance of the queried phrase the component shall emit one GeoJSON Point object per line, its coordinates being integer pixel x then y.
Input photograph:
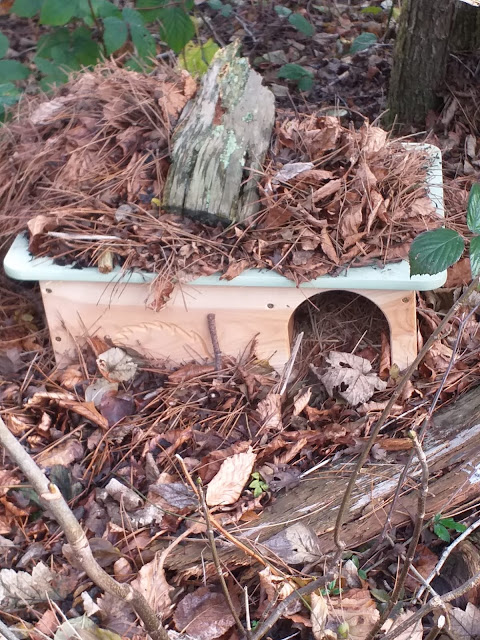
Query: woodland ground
{"type": "Point", "coordinates": [115, 461]}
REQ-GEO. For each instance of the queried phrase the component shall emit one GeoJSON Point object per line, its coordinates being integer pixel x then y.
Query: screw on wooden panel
{"type": "Point", "coordinates": [270, 305]}
{"type": "Point", "coordinates": [48, 290]}
{"type": "Point", "coordinates": [405, 299]}
{"type": "Point", "coordinates": [58, 339]}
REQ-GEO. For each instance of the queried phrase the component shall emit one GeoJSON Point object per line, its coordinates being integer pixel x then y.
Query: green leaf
{"type": "Point", "coordinates": [362, 574]}
{"type": "Point", "coordinates": [48, 42]}
{"type": "Point", "coordinates": [177, 28]}
{"type": "Point", "coordinates": [9, 94]}
{"type": "Point", "coordinates": [283, 12]}
{"type": "Point", "coordinates": [3, 44]}
{"type": "Point", "coordinates": [115, 34]}
{"type": "Point", "coordinates": [132, 17]}
{"type": "Point", "coordinates": [216, 5]}
{"type": "Point", "coordinates": [475, 256]}
{"type": "Point", "coordinates": [101, 9]}
{"type": "Point", "coordinates": [301, 24]}
{"type": "Point", "coordinates": [441, 532]}
{"type": "Point", "coordinates": [450, 523]}
{"type": "Point", "coordinates": [435, 251]}
{"type": "Point", "coordinates": [12, 70]}
{"type": "Point", "coordinates": [143, 42]}
{"type": "Point", "coordinates": [292, 71]}
{"type": "Point", "coordinates": [196, 58]}
{"type": "Point", "coordinates": [85, 50]}
{"type": "Point", "coordinates": [26, 8]}
{"type": "Point", "coordinates": [152, 14]}
{"type": "Point", "coordinates": [380, 594]}
{"type": "Point", "coordinates": [57, 12]}
{"type": "Point", "coordinates": [54, 74]}
{"type": "Point", "coordinates": [375, 11]}
{"type": "Point", "coordinates": [355, 561]}
{"type": "Point", "coordinates": [363, 41]}
{"type": "Point", "coordinates": [473, 208]}
{"type": "Point", "coordinates": [305, 83]}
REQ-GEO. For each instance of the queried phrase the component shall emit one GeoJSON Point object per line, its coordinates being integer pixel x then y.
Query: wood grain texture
{"type": "Point", "coordinates": [221, 142]}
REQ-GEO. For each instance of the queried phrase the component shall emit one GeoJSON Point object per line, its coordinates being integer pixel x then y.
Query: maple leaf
{"type": "Point", "coordinates": [350, 376]}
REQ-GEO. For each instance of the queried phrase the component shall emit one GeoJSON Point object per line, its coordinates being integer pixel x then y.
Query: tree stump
{"type": "Point", "coordinates": [220, 143]}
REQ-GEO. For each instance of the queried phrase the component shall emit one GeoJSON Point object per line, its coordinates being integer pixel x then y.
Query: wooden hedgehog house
{"type": "Point", "coordinates": [225, 131]}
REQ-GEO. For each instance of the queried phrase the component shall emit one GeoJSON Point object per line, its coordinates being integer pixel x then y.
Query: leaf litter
{"type": "Point", "coordinates": [206, 418]}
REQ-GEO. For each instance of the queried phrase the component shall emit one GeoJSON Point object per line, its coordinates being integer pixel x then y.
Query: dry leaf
{"type": "Point", "coordinates": [270, 411]}
{"type": "Point", "coordinates": [204, 614]}
{"type": "Point", "coordinates": [414, 632]}
{"type": "Point", "coordinates": [278, 588]}
{"type": "Point", "coordinates": [116, 366]}
{"type": "Point", "coordinates": [63, 454]}
{"type": "Point", "coordinates": [297, 544]}
{"type": "Point", "coordinates": [18, 588]}
{"type": "Point", "coordinates": [465, 625]}
{"type": "Point", "coordinates": [190, 371]}
{"type": "Point", "coordinates": [301, 400]}
{"type": "Point", "coordinates": [234, 473]}
{"type": "Point", "coordinates": [350, 376]}
{"type": "Point", "coordinates": [357, 609]}
{"type": "Point", "coordinates": [318, 615]}
{"type": "Point", "coordinates": [127, 497]}
{"type": "Point", "coordinates": [291, 170]}
{"type": "Point", "coordinates": [327, 246]}
{"type": "Point", "coordinates": [327, 190]}
{"type": "Point", "coordinates": [153, 585]}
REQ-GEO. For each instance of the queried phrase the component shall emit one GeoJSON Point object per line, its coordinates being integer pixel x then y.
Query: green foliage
{"type": "Point", "coordinates": [115, 34]}
{"type": "Point", "coordinates": [434, 251]}
{"type": "Point", "coordinates": [363, 41]}
{"type": "Point", "coordinates": [196, 58]}
{"type": "Point", "coordinates": [4, 44]}
{"type": "Point", "coordinates": [303, 77]}
{"type": "Point", "coordinates": [225, 10]}
{"type": "Point", "coordinates": [258, 485]}
{"type": "Point", "coordinates": [26, 8]}
{"type": "Point", "coordinates": [57, 12]}
{"type": "Point", "coordinates": [176, 28]}
{"type": "Point", "coordinates": [372, 10]}
{"type": "Point", "coordinates": [301, 24]}
{"type": "Point", "coordinates": [443, 526]}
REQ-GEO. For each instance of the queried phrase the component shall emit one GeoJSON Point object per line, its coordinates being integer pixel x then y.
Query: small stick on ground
{"type": "Point", "coordinates": [217, 354]}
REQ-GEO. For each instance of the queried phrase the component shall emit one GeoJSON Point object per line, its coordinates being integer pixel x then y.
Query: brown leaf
{"type": "Point", "coordinates": [227, 486]}
{"type": "Point", "coordinates": [350, 221]}
{"type": "Point", "coordinates": [350, 377]}
{"type": "Point", "coordinates": [116, 406]}
{"type": "Point", "coordinates": [189, 372]}
{"type": "Point", "coordinates": [270, 411]}
{"type": "Point", "coordinates": [424, 562]}
{"type": "Point", "coordinates": [301, 400]}
{"type": "Point", "coordinates": [327, 190]}
{"type": "Point", "coordinates": [205, 614]}
{"type": "Point", "coordinates": [297, 544]}
{"type": "Point", "coordinates": [327, 246]}
{"type": "Point", "coordinates": [63, 454]}
{"type": "Point", "coordinates": [235, 268]}
{"type": "Point", "coordinates": [357, 609]}
{"type": "Point", "coordinates": [116, 365]}
{"type": "Point", "coordinates": [415, 631]}
{"type": "Point", "coordinates": [318, 615]}
{"type": "Point", "coordinates": [153, 585]}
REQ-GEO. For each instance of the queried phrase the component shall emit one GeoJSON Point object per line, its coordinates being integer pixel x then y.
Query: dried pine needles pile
{"type": "Point", "coordinates": [85, 173]}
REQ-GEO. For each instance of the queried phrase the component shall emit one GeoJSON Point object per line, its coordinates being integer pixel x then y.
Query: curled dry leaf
{"type": "Point", "coordinates": [190, 371]}
{"type": "Point", "coordinates": [63, 454]}
{"type": "Point", "coordinates": [357, 609]}
{"type": "Point", "coordinates": [116, 366]}
{"type": "Point", "coordinates": [270, 410]}
{"type": "Point", "coordinates": [18, 588]}
{"type": "Point", "coordinates": [205, 614]}
{"type": "Point", "coordinates": [350, 376]}
{"type": "Point", "coordinates": [227, 486]}
{"type": "Point", "coordinates": [292, 170]}
{"type": "Point", "coordinates": [279, 588]}
{"type": "Point", "coordinates": [301, 400]}
{"type": "Point", "coordinates": [123, 494]}
{"type": "Point", "coordinates": [415, 632]}
{"type": "Point", "coordinates": [297, 544]}
{"type": "Point", "coordinates": [318, 615]}
{"type": "Point", "coordinates": [153, 585]}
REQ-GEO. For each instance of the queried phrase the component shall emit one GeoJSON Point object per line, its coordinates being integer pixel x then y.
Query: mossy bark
{"type": "Point", "coordinates": [220, 143]}
{"type": "Point", "coordinates": [420, 59]}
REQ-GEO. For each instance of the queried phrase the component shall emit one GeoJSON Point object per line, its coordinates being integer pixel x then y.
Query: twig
{"type": "Point", "coordinates": [217, 354]}
{"type": "Point", "coordinates": [425, 426]}
{"type": "Point", "coordinates": [435, 603]}
{"type": "Point", "coordinates": [436, 570]}
{"type": "Point", "coordinates": [282, 384]}
{"type": "Point", "coordinates": [55, 502]}
{"type": "Point", "coordinates": [386, 412]}
{"type": "Point", "coordinates": [417, 530]}
{"type": "Point", "coordinates": [80, 236]}
{"type": "Point", "coordinates": [437, 628]}
{"type": "Point", "coordinates": [218, 566]}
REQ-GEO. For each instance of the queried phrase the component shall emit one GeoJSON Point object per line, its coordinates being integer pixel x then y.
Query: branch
{"type": "Point", "coordinates": [55, 502]}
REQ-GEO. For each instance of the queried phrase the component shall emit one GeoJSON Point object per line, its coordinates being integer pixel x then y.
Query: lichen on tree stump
{"type": "Point", "coordinates": [220, 143]}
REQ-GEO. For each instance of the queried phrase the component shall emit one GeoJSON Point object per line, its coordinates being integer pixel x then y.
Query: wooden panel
{"type": "Point", "coordinates": [179, 332]}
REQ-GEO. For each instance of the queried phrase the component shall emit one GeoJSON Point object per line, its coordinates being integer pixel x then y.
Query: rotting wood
{"type": "Point", "coordinates": [220, 143]}
{"type": "Point", "coordinates": [452, 447]}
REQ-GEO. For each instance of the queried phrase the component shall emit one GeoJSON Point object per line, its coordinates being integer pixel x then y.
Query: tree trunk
{"type": "Point", "coordinates": [420, 59]}
{"type": "Point", "coordinates": [466, 29]}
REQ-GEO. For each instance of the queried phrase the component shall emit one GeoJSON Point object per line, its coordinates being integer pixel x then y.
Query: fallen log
{"type": "Point", "coordinates": [452, 448]}
{"type": "Point", "coordinates": [220, 143]}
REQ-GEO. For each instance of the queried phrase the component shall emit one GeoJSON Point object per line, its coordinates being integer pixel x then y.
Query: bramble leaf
{"type": "Point", "coordinates": [435, 251]}
{"type": "Point", "coordinates": [473, 208]}
{"type": "Point", "coordinates": [475, 256]}
{"type": "Point", "coordinates": [363, 41]}
{"type": "Point", "coordinates": [301, 24]}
